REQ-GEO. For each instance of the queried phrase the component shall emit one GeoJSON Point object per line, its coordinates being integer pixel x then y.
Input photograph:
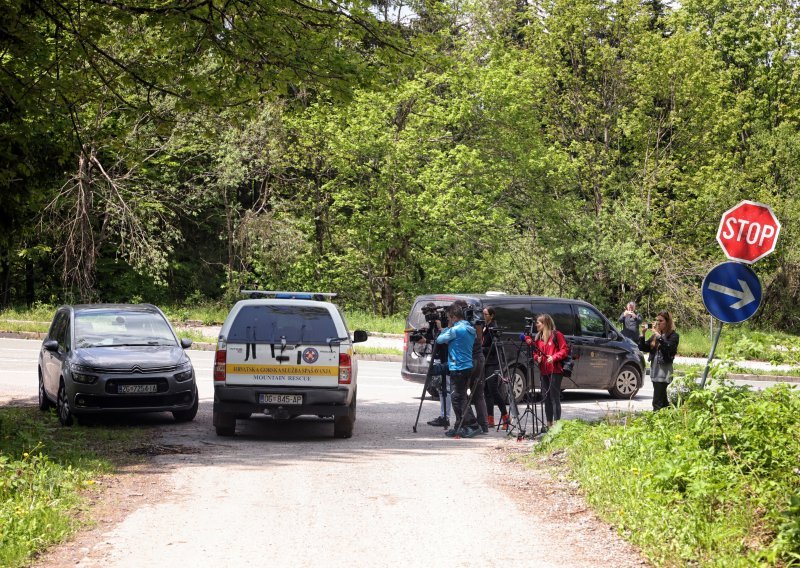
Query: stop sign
{"type": "Point", "coordinates": [748, 231]}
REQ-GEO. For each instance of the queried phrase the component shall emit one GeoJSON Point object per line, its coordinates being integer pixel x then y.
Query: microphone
{"type": "Point", "coordinates": [526, 338]}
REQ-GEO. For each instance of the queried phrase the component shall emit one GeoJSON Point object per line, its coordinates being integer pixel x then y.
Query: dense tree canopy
{"type": "Point", "coordinates": [166, 150]}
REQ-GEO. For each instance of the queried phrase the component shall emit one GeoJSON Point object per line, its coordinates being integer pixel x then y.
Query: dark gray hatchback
{"type": "Point", "coordinates": [104, 358]}
{"type": "Point", "coordinates": [603, 358]}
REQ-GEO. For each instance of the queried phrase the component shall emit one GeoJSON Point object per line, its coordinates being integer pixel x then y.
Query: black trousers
{"type": "Point", "coordinates": [492, 392]}
{"type": "Point", "coordinates": [551, 393]}
{"type": "Point", "coordinates": [459, 381]}
{"type": "Point", "coordinates": [660, 399]}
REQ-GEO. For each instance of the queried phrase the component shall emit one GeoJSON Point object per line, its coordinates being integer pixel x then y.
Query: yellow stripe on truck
{"type": "Point", "coordinates": [317, 371]}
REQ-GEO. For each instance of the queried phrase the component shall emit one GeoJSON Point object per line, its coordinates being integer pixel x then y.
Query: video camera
{"type": "Point", "coordinates": [434, 313]}
{"type": "Point", "coordinates": [474, 316]}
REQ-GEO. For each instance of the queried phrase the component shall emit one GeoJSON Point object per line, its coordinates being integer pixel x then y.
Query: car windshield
{"type": "Point", "coordinates": [294, 324]}
{"type": "Point", "coordinates": [113, 328]}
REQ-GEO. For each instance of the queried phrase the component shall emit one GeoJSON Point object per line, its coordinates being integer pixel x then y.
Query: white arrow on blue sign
{"type": "Point", "coordinates": [731, 292]}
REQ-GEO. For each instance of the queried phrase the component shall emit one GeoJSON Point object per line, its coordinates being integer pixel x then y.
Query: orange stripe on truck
{"type": "Point", "coordinates": [317, 371]}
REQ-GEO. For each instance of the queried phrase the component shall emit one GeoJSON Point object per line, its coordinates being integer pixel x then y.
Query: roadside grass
{"type": "Point", "coordinates": [377, 350]}
{"type": "Point", "coordinates": [712, 482]}
{"type": "Point", "coordinates": [45, 474]}
{"type": "Point", "coordinates": [359, 319]}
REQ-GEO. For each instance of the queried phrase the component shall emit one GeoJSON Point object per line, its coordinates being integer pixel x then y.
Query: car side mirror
{"type": "Point", "coordinates": [359, 336]}
{"type": "Point", "coordinates": [186, 342]}
{"type": "Point", "coordinates": [51, 345]}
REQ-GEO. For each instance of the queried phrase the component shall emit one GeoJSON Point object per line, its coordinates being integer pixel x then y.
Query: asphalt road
{"type": "Point", "coordinates": [281, 493]}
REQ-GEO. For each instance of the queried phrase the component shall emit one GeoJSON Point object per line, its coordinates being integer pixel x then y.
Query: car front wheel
{"type": "Point", "coordinates": [626, 385]}
{"type": "Point", "coordinates": [62, 406]}
{"type": "Point", "coordinates": [189, 414]}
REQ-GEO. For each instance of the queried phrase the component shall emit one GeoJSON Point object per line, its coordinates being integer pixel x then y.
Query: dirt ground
{"type": "Point", "coordinates": [554, 505]}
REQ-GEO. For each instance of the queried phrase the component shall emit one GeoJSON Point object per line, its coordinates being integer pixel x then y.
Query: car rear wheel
{"type": "Point", "coordinates": [224, 423]}
{"type": "Point", "coordinates": [517, 384]}
{"type": "Point", "coordinates": [343, 425]}
{"type": "Point", "coordinates": [44, 402]}
{"type": "Point", "coordinates": [62, 406]}
{"type": "Point", "coordinates": [189, 414]}
{"type": "Point", "coordinates": [626, 385]}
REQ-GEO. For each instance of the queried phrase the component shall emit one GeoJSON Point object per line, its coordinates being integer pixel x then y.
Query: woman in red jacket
{"type": "Point", "coordinates": [551, 350]}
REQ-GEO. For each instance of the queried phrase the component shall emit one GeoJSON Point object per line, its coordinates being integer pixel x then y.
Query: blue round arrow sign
{"type": "Point", "coordinates": [731, 292]}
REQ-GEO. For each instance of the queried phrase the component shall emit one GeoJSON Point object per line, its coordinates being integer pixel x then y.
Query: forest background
{"type": "Point", "coordinates": [177, 150]}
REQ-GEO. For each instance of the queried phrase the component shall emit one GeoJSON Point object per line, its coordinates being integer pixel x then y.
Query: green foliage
{"type": "Point", "coordinates": [713, 482]}
{"type": "Point", "coordinates": [45, 472]}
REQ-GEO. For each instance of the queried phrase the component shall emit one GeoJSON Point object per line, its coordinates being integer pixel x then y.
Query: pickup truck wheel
{"type": "Point", "coordinates": [224, 424]}
{"type": "Point", "coordinates": [343, 425]}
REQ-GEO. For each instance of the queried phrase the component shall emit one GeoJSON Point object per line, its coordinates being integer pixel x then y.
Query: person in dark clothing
{"type": "Point", "coordinates": [630, 321]}
{"type": "Point", "coordinates": [662, 345]}
{"type": "Point", "coordinates": [476, 380]}
{"type": "Point", "coordinates": [492, 392]}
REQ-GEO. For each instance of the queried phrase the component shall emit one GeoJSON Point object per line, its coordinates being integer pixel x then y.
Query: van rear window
{"type": "Point", "coordinates": [295, 324]}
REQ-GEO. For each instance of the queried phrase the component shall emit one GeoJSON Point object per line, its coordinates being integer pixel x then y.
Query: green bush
{"type": "Point", "coordinates": [714, 482]}
{"type": "Point", "coordinates": [45, 471]}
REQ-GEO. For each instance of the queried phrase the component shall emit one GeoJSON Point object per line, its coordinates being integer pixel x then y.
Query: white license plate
{"type": "Point", "coordinates": [280, 398]}
{"type": "Point", "coordinates": [136, 389]}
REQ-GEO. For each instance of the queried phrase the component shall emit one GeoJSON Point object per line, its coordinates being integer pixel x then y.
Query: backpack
{"type": "Point", "coordinates": [567, 364]}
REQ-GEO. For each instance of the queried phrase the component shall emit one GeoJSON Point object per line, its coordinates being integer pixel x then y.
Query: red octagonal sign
{"type": "Point", "coordinates": [748, 232]}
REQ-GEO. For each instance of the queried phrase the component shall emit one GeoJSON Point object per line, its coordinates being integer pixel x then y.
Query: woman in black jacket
{"type": "Point", "coordinates": [662, 345]}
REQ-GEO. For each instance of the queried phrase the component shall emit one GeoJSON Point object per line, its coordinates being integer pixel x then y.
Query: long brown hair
{"type": "Point", "coordinates": [549, 324]}
{"type": "Point", "coordinates": [669, 325]}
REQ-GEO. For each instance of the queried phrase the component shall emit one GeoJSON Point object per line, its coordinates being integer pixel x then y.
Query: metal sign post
{"type": "Point", "coordinates": [732, 294]}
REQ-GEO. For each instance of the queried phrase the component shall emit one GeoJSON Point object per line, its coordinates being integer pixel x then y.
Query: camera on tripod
{"type": "Point", "coordinates": [530, 326]}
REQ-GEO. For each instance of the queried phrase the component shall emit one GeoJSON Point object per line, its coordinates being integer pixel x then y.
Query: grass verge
{"type": "Point", "coordinates": [713, 482]}
{"type": "Point", "coordinates": [46, 472]}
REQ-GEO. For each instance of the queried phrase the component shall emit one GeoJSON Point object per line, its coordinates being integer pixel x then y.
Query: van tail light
{"type": "Point", "coordinates": [345, 369]}
{"type": "Point", "coordinates": [220, 360]}
{"type": "Point", "coordinates": [405, 342]}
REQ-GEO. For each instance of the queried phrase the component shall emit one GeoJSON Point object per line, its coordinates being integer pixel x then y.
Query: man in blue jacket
{"type": "Point", "coordinates": [459, 337]}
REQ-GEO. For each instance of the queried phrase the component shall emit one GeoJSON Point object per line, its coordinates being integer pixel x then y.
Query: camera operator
{"type": "Point", "coordinates": [438, 375]}
{"type": "Point", "coordinates": [476, 379]}
{"type": "Point", "coordinates": [460, 337]}
{"type": "Point", "coordinates": [492, 393]}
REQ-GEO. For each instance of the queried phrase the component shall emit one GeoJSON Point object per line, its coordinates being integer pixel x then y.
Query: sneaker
{"type": "Point", "coordinates": [504, 421]}
{"type": "Point", "coordinates": [490, 420]}
{"type": "Point", "coordinates": [471, 431]}
{"type": "Point", "coordinates": [439, 421]}
{"type": "Point", "coordinates": [451, 433]}
{"type": "Point", "coordinates": [484, 429]}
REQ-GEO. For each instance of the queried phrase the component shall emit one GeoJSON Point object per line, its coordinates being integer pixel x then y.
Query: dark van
{"type": "Point", "coordinates": [603, 357]}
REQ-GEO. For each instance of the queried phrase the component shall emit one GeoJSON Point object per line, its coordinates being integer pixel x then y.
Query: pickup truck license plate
{"type": "Point", "coordinates": [136, 389]}
{"type": "Point", "coordinates": [280, 398]}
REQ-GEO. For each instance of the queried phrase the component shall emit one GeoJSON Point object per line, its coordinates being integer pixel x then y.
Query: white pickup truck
{"type": "Point", "coordinates": [285, 356]}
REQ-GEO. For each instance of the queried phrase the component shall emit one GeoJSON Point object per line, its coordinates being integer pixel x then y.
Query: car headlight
{"type": "Point", "coordinates": [82, 374]}
{"type": "Point", "coordinates": [184, 372]}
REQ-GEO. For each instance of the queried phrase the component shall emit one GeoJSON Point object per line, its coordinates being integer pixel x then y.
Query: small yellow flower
{"type": "Point", "coordinates": [25, 455]}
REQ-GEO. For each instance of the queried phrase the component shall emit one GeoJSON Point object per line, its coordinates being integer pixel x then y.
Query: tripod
{"type": "Point", "coordinates": [533, 414]}
{"type": "Point", "coordinates": [430, 347]}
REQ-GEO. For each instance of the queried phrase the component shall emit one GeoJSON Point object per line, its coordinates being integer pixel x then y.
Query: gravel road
{"type": "Point", "coordinates": [288, 493]}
